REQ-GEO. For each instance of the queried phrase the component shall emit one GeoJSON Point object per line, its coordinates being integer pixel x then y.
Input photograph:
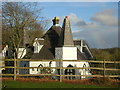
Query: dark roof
{"type": "Point", "coordinates": [45, 53]}
{"type": "Point", "coordinates": [77, 42]}
{"type": "Point", "coordinates": [29, 53]}
{"type": "Point", "coordinates": [80, 56]}
{"type": "Point", "coordinates": [86, 53]}
{"type": "Point", "coordinates": [50, 42]}
{"type": "Point", "coordinates": [41, 42]}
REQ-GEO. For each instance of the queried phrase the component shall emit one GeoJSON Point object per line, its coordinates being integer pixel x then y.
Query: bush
{"type": "Point", "coordinates": [101, 80]}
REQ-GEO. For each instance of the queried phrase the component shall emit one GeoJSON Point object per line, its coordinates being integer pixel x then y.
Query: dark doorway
{"type": "Point", "coordinates": [70, 72]}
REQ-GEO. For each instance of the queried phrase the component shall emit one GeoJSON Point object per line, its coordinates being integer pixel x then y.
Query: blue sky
{"type": "Point", "coordinates": [82, 9]}
{"type": "Point", "coordinates": [95, 22]}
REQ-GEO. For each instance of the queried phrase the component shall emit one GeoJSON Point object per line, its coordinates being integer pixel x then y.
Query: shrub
{"type": "Point", "coordinates": [101, 80]}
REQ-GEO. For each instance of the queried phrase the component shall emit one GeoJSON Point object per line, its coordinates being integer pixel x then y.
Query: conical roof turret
{"type": "Point", "coordinates": [66, 38]}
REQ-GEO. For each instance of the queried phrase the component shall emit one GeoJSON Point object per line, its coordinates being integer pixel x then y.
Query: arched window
{"type": "Point", "coordinates": [85, 68]}
{"type": "Point", "coordinates": [39, 69]}
{"type": "Point", "coordinates": [70, 72]}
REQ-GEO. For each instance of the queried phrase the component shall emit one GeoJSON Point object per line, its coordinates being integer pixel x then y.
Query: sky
{"type": "Point", "coordinates": [95, 22]}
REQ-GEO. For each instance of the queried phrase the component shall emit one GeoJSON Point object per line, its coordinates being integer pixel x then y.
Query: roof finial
{"type": "Point", "coordinates": [66, 16]}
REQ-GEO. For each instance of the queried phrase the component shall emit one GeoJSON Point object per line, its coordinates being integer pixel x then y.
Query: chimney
{"type": "Point", "coordinates": [56, 21]}
{"type": "Point", "coordinates": [66, 38]}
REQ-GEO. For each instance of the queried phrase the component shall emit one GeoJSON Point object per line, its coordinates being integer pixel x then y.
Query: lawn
{"type": "Point", "coordinates": [19, 84]}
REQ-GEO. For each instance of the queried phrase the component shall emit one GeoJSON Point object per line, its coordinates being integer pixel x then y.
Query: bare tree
{"type": "Point", "coordinates": [18, 17]}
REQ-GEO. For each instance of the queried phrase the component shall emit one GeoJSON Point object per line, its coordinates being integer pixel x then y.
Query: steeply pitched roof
{"type": "Point", "coordinates": [50, 42]}
{"type": "Point", "coordinates": [66, 38]}
{"type": "Point", "coordinates": [80, 56]}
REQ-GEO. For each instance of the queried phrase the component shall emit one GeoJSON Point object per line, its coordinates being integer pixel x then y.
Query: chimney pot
{"type": "Point", "coordinates": [55, 21]}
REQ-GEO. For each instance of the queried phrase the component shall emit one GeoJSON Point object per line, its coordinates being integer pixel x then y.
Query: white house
{"type": "Point", "coordinates": [3, 54]}
{"type": "Point", "coordinates": [57, 44]}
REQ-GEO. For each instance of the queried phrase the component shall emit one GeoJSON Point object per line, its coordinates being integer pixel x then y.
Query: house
{"type": "Point", "coordinates": [57, 44]}
{"type": "Point", "coordinates": [3, 55]}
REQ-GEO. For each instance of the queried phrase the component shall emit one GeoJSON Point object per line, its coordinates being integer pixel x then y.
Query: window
{"type": "Point", "coordinates": [70, 72]}
{"type": "Point", "coordinates": [35, 48]}
{"type": "Point", "coordinates": [39, 69]}
{"type": "Point", "coordinates": [85, 67]}
{"type": "Point", "coordinates": [25, 65]}
{"type": "Point", "coordinates": [6, 53]}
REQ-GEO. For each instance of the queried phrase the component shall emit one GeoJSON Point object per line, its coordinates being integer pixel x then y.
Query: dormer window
{"type": "Point", "coordinates": [38, 44]}
{"type": "Point", "coordinates": [36, 49]}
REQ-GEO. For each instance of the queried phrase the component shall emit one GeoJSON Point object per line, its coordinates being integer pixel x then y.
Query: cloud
{"type": "Point", "coordinates": [74, 19]}
{"type": "Point", "coordinates": [101, 37]}
{"type": "Point", "coordinates": [106, 17]}
{"type": "Point", "coordinates": [79, 23]}
{"type": "Point", "coordinates": [101, 32]}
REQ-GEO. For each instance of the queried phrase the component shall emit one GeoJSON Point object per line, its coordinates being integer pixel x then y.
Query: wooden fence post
{"type": "Point", "coordinates": [15, 67]}
{"type": "Point", "coordinates": [104, 68]}
{"type": "Point", "coordinates": [61, 71]}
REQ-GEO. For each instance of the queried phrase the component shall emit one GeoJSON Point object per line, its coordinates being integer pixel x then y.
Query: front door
{"type": "Point", "coordinates": [70, 72]}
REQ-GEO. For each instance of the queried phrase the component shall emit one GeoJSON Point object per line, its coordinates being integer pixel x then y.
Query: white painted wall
{"type": "Point", "coordinates": [21, 52]}
{"type": "Point", "coordinates": [69, 53]}
{"type": "Point", "coordinates": [66, 53]}
{"type": "Point", "coordinates": [4, 51]}
{"type": "Point", "coordinates": [56, 64]}
{"type": "Point", "coordinates": [36, 64]}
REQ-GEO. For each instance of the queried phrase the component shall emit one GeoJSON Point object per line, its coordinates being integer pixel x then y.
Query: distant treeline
{"type": "Point", "coordinates": [111, 54]}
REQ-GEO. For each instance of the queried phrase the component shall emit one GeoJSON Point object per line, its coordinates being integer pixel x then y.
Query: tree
{"type": "Point", "coordinates": [17, 17]}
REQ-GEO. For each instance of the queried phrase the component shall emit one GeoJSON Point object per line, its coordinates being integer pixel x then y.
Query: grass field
{"type": "Point", "coordinates": [19, 84]}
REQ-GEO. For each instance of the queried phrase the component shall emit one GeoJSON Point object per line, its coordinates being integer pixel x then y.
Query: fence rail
{"type": "Point", "coordinates": [15, 67]}
{"type": "Point", "coordinates": [65, 68]}
{"type": "Point", "coordinates": [62, 60]}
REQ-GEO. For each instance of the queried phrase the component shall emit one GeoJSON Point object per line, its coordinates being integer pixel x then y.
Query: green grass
{"type": "Point", "coordinates": [18, 84]}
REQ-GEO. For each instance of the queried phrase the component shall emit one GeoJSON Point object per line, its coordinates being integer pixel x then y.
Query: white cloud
{"type": "Point", "coordinates": [103, 35]}
{"type": "Point", "coordinates": [74, 19]}
{"type": "Point", "coordinates": [106, 17]}
{"type": "Point", "coordinates": [101, 32]}
{"type": "Point", "coordinates": [79, 23]}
